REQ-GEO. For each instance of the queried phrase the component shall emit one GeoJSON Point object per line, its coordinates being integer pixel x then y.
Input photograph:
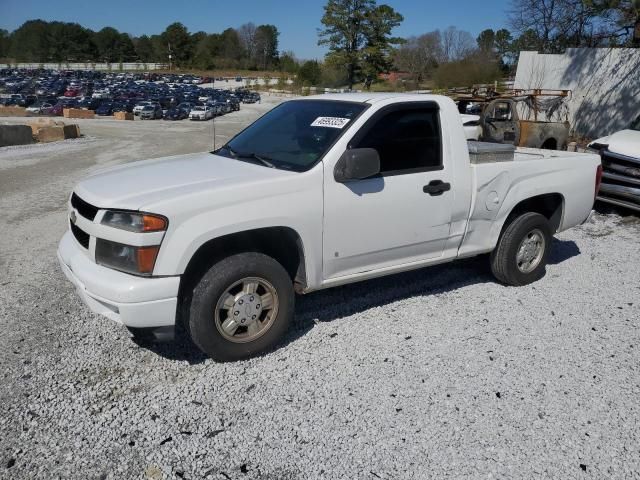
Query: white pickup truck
{"type": "Point", "coordinates": [319, 192]}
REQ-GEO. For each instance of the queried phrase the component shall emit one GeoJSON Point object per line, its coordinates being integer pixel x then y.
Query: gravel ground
{"type": "Point", "coordinates": [439, 373]}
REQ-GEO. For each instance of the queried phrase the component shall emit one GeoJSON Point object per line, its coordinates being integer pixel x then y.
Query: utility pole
{"type": "Point", "coordinates": [213, 120]}
{"type": "Point", "coordinates": [169, 56]}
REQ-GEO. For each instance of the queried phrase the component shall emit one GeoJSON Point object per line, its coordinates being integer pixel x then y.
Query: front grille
{"type": "Point", "coordinates": [621, 178]}
{"type": "Point", "coordinates": [85, 209]}
{"type": "Point", "coordinates": [81, 236]}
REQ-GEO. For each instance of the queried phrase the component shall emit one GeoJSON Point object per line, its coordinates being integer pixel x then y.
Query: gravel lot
{"type": "Point", "coordinates": [439, 373]}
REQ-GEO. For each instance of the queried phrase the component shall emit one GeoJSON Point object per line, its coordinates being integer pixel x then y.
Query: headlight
{"type": "Point", "coordinates": [126, 258]}
{"type": "Point", "coordinates": [134, 221]}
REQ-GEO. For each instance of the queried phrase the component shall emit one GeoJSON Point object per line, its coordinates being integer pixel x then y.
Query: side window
{"type": "Point", "coordinates": [407, 140]}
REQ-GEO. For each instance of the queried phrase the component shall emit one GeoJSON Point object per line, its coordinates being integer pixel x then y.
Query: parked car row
{"type": "Point", "coordinates": [149, 96]}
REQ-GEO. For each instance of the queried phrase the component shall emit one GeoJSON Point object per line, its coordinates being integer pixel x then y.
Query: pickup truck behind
{"type": "Point", "coordinates": [319, 192]}
{"type": "Point", "coordinates": [621, 167]}
{"type": "Point", "coordinates": [516, 117]}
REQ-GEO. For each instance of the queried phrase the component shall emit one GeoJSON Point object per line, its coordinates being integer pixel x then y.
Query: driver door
{"type": "Point", "coordinates": [400, 216]}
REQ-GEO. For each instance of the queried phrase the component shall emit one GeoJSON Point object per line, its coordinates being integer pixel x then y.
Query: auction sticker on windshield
{"type": "Point", "coordinates": [330, 122]}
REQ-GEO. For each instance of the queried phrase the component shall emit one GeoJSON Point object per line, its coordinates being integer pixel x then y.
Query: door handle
{"type": "Point", "coordinates": [436, 187]}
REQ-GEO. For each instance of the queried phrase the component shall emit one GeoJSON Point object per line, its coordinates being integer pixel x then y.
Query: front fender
{"type": "Point", "coordinates": [299, 208]}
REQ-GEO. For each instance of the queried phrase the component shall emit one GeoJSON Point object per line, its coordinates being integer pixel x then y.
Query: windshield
{"type": "Point", "coordinates": [295, 134]}
{"type": "Point", "coordinates": [635, 125]}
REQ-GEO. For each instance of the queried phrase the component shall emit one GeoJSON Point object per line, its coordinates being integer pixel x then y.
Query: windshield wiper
{"type": "Point", "coordinates": [262, 159]}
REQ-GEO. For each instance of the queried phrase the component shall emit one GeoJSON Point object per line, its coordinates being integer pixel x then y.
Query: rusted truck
{"type": "Point", "coordinates": [524, 118]}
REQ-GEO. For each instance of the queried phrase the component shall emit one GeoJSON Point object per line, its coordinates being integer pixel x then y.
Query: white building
{"type": "Point", "coordinates": [605, 85]}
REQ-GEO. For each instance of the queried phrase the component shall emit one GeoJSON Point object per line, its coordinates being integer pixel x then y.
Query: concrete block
{"type": "Point", "coordinates": [71, 131]}
{"type": "Point", "coordinates": [123, 116]}
{"type": "Point", "coordinates": [44, 122]}
{"type": "Point", "coordinates": [77, 113]}
{"type": "Point", "coordinates": [51, 134]}
{"type": "Point", "coordinates": [15, 135]}
{"type": "Point", "coordinates": [13, 112]}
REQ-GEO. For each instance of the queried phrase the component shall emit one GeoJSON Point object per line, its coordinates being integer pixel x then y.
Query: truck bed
{"type": "Point", "coordinates": [499, 185]}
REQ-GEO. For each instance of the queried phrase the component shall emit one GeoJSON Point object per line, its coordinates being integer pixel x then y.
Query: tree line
{"type": "Point", "coordinates": [359, 36]}
{"type": "Point", "coordinates": [360, 42]}
{"type": "Point", "coordinates": [247, 47]}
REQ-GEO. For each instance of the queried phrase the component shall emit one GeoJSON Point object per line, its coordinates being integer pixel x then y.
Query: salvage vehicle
{"type": "Point", "coordinates": [319, 192]}
{"type": "Point", "coordinates": [89, 103]}
{"type": "Point", "coordinates": [621, 167]}
{"type": "Point", "coordinates": [73, 92]}
{"type": "Point", "coordinates": [176, 113]}
{"type": "Point", "coordinates": [57, 109]}
{"type": "Point", "coordinates": [202, 112]}
{"type": "Point", "coordinates": [235, 103]}
{"type": "Point", "coordinates": [105, 109]}
{"type": "Point", "coordinates": [43, 108]}
{"type": "Point", "coordinates": [139, 106]}
{"type": "Point", "coordinates": [502, 120]}
{"type": "Point", "coordinates": [16, 99]}
{"type": "Point", "coordinates": [151, 112]}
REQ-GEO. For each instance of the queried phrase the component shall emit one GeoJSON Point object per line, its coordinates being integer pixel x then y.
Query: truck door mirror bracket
{"type": "Point", "coordinates": [357, 164]}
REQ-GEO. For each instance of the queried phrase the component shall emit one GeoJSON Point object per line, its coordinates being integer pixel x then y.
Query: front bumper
{"type": "Point", "coordinates": [136, 302]}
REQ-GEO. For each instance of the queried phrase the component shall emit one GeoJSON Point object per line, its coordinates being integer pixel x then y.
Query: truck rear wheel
{"type": "Point", "coordinates": [241, 307]}
{"type": "Point", "coordinates": [521, 255]}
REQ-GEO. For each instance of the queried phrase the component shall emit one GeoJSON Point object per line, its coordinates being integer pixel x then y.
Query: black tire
{"type": "Point", "coordinates": [504, 264]}
{"type": "Point", "coordinates": [215, 282]}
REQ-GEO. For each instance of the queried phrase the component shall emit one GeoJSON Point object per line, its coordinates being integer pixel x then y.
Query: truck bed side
{"type": "Point", "coordinates": [500, 186]}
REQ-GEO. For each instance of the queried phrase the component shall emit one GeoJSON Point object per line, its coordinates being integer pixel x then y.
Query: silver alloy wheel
{"type": "Point", "coordinates": [530, 251]}
{"type": "Point", "coordinates": [246, 310]}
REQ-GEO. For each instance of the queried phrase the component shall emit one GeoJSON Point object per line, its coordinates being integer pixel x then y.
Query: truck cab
{"type": "Point", "coordinates": [501, 124]}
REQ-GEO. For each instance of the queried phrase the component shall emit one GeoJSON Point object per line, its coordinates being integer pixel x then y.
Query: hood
{"type": "Point", "coordinates": [137, 185]}
{"type": "Point", "coordinates": [599, 141]}
{"type": "Point", "coordinates": [625, 142]}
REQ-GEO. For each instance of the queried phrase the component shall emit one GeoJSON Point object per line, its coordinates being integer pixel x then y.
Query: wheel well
{"type": "Point", "coordinates": [281, 243]}
{"type": "Point", "coordinates": [550, 144]}
{"type": "Point", "coordinates": [549, 205]}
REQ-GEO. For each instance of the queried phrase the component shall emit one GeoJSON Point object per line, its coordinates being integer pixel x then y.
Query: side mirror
{"type": "Point", "coordinates": [357, 164]}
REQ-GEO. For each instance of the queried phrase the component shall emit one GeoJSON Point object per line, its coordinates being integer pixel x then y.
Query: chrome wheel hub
{"type": "Point", "coordinates": [246, 310]}
{"type": "Point", "coordinates": [530, 251]}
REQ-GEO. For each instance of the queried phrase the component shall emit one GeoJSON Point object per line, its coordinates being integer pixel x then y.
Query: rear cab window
{"type": "Point", "coordinates": [501, 112]}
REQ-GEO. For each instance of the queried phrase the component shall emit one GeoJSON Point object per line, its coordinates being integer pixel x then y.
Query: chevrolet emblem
{"type": "Point", "coordinates": [73, 216]}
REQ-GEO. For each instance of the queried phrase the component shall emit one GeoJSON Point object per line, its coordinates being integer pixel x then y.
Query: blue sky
{"type": "Point", "coordinates": [297, 21]}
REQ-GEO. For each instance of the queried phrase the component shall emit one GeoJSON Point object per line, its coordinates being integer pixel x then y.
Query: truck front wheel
{"type": "Point", "coordinates": [521, 255]}
{"type": "Point", "coordinates": [241, 307]}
